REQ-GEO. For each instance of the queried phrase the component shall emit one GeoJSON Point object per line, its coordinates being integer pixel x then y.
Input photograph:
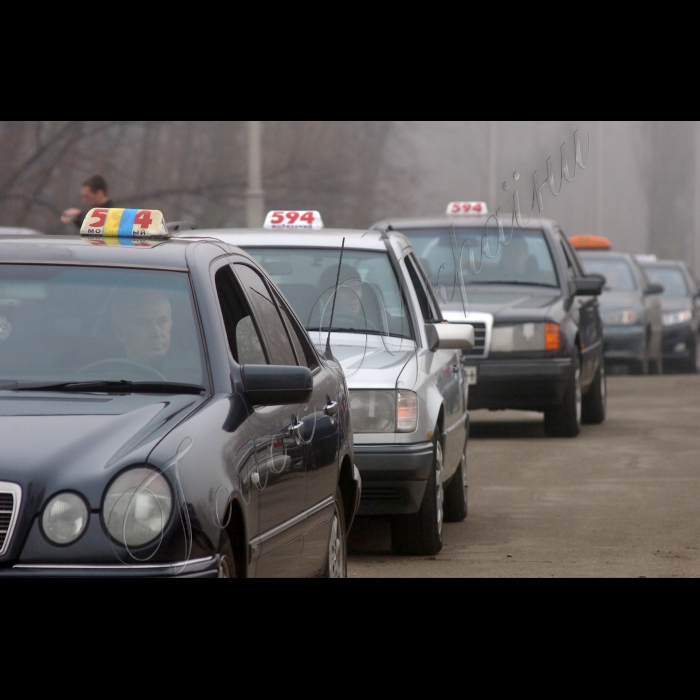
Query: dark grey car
{"type": "Point", "coordinates": [681, 314]}
{"type": "Point", "coordinates": [631, 310]}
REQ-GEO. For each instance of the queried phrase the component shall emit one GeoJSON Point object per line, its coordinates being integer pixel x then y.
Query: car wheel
{"type": "Point", "coordinates": [565, 420]}
{"type": "Point", "coordinates": [596, 400]}
{"type": "Point", "coordinates": [227, 562]}
{"type": "Point", "coordinates": [421, 534]}
{"type": "Point", "coordinates": [456, 495]}
{"type": "Point", "coordinates": [337, 563]}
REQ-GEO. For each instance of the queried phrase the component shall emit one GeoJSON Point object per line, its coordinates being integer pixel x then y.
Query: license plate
{"type": "Point", "coordinates": [472, 375]}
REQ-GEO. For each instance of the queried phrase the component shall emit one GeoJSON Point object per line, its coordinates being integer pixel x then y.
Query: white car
{"type": "Point", "coordinates": [402, 361]}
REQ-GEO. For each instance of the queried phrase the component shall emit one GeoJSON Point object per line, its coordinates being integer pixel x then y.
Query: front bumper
{"type": "Point", "coordinates": [201, 568]}
{"type": "Point", "coordinates": [679, 342]}
{"type": "Point", "coordinates": [394, 477]}
{"type": "Point", "coordinates": [522, 385]}
{"type": "Point", "coordinates": [625, 343]}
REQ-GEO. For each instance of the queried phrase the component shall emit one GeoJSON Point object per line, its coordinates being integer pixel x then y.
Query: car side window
{"type": "Point", "coordinates": [571, 258]}
{"type": "Point", "coordinates": [268, 315]}
{"type": "Point", "coordinates": [427, 307]}
{"type": "Point", "coordinates": [304, 352]}
{"type": "Point", "coordinates": [243, 336]}
{"type": "Point", "coordinates": [570, 268]}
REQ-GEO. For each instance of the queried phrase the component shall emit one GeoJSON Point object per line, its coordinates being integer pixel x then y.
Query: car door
{"type": "Point", "coordinates": [281, 454]}
{"type": "Point", "coordinates": [590, 328]}
{"type": "Point", "coordinates": [321, 438]}
{"type": "Point", "coordinates": [448, 373]}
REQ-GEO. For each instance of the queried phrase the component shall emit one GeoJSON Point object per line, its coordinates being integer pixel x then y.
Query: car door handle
{"type": "Point", "coordinates": [293, 430]}
{"type": "Point", "coordinates": [332, 409]}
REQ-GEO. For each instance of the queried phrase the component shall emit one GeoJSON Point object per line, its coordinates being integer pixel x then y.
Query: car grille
{"type": "Point", "coordinates": [8, 505]}
{"type": "Point", "coordinates": [480, 347]}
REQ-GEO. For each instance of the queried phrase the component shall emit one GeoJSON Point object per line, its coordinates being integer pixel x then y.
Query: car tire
{"type": "Point", "coordinates": [595, 402]}
{"type": "Point", "coordinates": [227, 560]}
{"type": "Point", "coordinates": [565, 420]}
{"type": "Point", "coordinates": [337, 558]}
{"type": "Point", "coordinates": [421, 534]}
{"type": "Point", "coordinates": [456, 495]}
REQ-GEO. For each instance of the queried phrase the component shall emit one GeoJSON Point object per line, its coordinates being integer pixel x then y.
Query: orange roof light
{"type": "Point", "coordinates": [590, 243]}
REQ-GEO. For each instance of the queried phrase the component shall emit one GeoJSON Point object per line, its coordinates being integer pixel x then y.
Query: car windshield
{"type": "Point", "coordinates": [526, 260]}
{"type": "Point", "coordinates": [672, 279]}
{"type": "Point", "coordinates": [617, 272]}
{"type": "Point", "coordinates": [369, 299]}
{"type": "Point", "coordinates": [62, 323]}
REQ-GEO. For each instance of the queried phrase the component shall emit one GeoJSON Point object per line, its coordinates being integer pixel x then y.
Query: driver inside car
{"type": "Point", "coordinates": [142, 321]}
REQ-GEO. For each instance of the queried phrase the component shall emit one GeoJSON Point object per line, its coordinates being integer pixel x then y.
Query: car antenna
{"type": "Point", "coordinates": [329, 352]}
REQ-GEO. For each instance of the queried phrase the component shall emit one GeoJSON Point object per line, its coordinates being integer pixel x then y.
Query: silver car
{"type": "Point", "coordinates": [408, 391]}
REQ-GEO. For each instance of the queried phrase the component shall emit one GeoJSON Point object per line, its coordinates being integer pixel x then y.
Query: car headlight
{"type": "Point", "coordinates": [384, 411]}
{"type": "Point", "coordinates": [678, 317]}
{"type": "Point", "coordinates": [526, 337]}
{"type": "Point", "coordinates": [65, 518]}
{"type": "Point", "coordinates": [625, 317]}
{"type": "Point", "coordinates": [137, 507]}
{"type": "Point", "coordinates": [373, 411]}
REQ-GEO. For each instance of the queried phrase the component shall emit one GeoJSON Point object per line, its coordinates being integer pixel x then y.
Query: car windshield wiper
{"type": "Point", "coordinates": [108, 387]}
{"type": "Point", "coordinates": [513, 284]}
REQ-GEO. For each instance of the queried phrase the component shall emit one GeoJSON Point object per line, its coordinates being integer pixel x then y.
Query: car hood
{"type": "Point", "coordinates": [615, 301]}
{"type": "Point", "coordinates": [372, 362]}
{"type": "Point", "coordinates": [56, 442]}
{"type": "Point", "coordinates": [507, 303]}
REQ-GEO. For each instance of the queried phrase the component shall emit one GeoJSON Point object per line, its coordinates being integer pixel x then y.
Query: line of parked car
{"type": "Point", "coordinates": [230, 400]}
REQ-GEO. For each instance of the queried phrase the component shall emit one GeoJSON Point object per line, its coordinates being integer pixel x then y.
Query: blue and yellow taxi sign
{"type": "Point", "coordinates": [125, 224]}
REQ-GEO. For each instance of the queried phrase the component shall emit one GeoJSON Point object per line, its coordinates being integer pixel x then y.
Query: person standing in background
{"type": "Point", "coordinates": [95, 194]}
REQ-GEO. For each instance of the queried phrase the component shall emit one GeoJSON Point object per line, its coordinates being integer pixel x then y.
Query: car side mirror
{"type": "Point", "coordinates": [450, 336]}
{"type": "Point", "coordinates": [268, 385]}
{"type": "Point", "coordinates": [590, 286]}
{"type": "Point", "coordinates": [654, 289]}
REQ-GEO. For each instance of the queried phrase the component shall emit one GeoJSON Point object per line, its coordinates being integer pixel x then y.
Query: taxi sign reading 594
{"type": "Point", "coordinates": [467, 209]}
{"type": "Point", "coordinates": [125, 223]}
{"type": "Point", "coordinates": [310, 220]}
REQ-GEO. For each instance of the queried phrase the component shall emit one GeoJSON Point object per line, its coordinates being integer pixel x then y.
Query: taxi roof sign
{"type": "Point", "coordinates": [296, 220]}
{"type": "Point", "coordinates": [589, 242]}
{"type": "Point", "coordinates": [467, 209]}
{"type": "Point", "coordinates": [125, 224]}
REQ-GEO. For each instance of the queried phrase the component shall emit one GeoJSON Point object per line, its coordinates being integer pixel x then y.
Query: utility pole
{"type": "Point", "coordinates": [255, 196]}
{"type": "Point", "coordinates": [493, 164]}
{"type": "Point", "coordinates": [600, 185]}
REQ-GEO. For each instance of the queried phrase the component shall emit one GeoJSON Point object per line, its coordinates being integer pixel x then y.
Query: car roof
{"type": "Point", "coordinates": [608, 255]}
{"type": "Point", "coordinates": [679, 264]}
{"type": "Point", "coordinates": [326, 238]}
{"type": "Point", "coordinates": [76, 250]}
{"type": "Point", "coordinates": [460, 222]}
{"type": "Point", "coordinates": [10, 231]}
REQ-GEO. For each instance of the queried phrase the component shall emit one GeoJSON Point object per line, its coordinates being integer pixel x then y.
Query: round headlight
{"type": "Point", "coordinates": [65, 518]}
{"type": "Point", "coordinates": [137, 507]}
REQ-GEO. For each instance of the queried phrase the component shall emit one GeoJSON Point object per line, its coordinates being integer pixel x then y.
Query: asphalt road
{"type": "Point", "coordinates": [623, 500]}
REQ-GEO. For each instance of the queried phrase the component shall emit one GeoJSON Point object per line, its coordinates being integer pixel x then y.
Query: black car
{"type": "Point", "coordinates": [164, 413]}
{"type": "Point", "coordinates": [680, 304]}
{"type": "Point", "coordinates": [539, 331]}
{"type": "Point", "coordinates": [631, 311]}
